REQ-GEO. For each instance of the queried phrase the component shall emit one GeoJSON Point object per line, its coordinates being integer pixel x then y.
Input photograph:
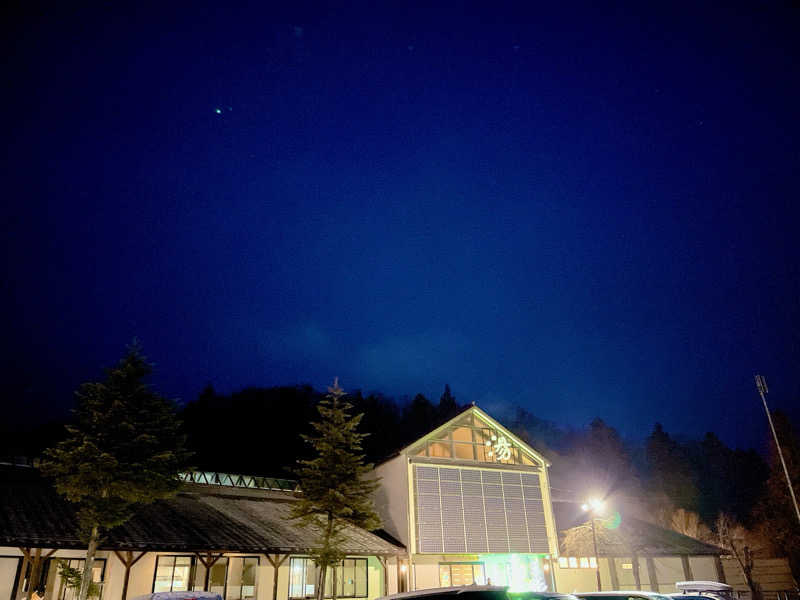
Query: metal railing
{"type": "Point", "coordinates": [239, 481]}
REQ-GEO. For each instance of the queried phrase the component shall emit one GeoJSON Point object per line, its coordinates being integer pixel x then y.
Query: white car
{"type": "Point", "coordinates": [692, 590]}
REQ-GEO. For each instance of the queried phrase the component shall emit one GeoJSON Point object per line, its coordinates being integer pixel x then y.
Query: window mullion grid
{"type": "Point", "coordinates": [525, 512]}
{"type": "Point", "coordinates": [483, 499]}
{"type": "Point", "coordinates": [441, 508]}
{"type": "Point", "coordinates": [505, 512]}
{"type": "Point", "coordinates": [463, 512]}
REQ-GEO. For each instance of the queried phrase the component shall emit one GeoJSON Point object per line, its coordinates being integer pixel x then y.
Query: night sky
{"type": "Point", "coordinates": [584, 211]}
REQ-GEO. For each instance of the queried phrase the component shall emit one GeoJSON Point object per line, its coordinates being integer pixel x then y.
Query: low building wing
{"type": "Point", "coordinates": [200, 518]}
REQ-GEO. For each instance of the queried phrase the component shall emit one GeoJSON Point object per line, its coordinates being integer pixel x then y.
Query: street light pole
{"type": "Point", "coordinates": [596, 557]}
{"type": "Point", "coordinates": [761, 384]}
{"type": "Point", "coordinates": [594, 506]}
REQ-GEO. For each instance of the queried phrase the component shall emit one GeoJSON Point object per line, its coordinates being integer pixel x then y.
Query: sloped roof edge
{"type": "Point", "coordinates": [484, 416]}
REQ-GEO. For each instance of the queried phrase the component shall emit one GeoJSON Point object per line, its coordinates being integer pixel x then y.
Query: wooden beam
{"type": "Point", "coordinates": [128, 561]}
{"type": "Point", "coordinates": [33, 581]}
{"type": "Point", "coordinates": [720, 569]}
{"type": "Point", "coordinates": [687, 568]}
{"type": "Point", "coordinates": [651, 573]}
{"type": "Point", "coordinates": [637, 578]}
{"type": "Point", "coordinates": [612, 569]}
{"type": "Point", "coordinates": [208, 562]}
{"type": "Point", "coordinates": [26, 559]}
{"type": "Point", "coordinates": [35, 559]}
{"type": "Point", "coordinates": [382, 560]}
{"type": "Point", "coordinates": [276, 563]}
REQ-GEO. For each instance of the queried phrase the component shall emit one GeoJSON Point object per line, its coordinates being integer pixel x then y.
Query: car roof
{"type": "Point", "coordinates": [705, 586]}
{"type": "Point", "coordinates": [454, 591]}
{"type": "Point", "coordinates": [629, 593]}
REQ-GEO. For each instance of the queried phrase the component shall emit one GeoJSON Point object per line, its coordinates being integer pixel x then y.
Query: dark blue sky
{"type": "Point", "coordinates": [587, 212]}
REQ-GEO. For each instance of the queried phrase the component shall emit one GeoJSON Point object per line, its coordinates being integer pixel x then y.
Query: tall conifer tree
{"type": "Point", "coordinates": [336, 489]}
{"type": "Point", "coordinates": [124, 449]}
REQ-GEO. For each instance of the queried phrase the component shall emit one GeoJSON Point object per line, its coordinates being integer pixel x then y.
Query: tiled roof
{"type": "Point", "coordinates": [200, 518]}
{"type": "Point", "coordinates": [622, 537]}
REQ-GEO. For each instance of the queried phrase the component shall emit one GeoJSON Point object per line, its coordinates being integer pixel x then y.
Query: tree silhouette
{"type": "Point", "coordinates": [336, 489]}
{"type": "Point", "coordinates": [124, 449]}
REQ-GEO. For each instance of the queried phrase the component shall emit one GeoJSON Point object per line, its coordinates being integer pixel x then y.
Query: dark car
{"type": "Point", "coordinates": [459, 592]}
{"type": "Point", "coordinates": [541, 596]}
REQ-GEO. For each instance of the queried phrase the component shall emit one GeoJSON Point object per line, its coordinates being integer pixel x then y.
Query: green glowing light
{"type": "Point", "coordinates": [520, 572]}
{"type": "Point", "coordinates": [613, 521]}
{"type": "Point", "coordinates": [218, 111]}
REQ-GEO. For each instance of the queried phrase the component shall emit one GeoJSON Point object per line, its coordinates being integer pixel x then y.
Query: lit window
{"type": "Point", "coordinates": [241, 584]}
{"type": "Point", "coordinates": [584, 562]}
{"type": "Point", "coordinates": [439, 449]}
{"type": "Point", "coordinates": [462, 434]}
{"type": "Point", "coordinates": [351, 578]}
{"type": "Point", "coordinates": [562, 562]}
{"type": "Point", "coordinates": [593, 562]}
{"type": "Point", "coordinates": [98, 574]}
{"type": "Point", "coordinates": [173, 574]}
{"type": "Point", "coordinates": [573, 562]}
{"type": "Point", "coordinates": [453, 574]}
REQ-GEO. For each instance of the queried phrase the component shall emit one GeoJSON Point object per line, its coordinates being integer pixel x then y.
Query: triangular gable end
{"type": "Point", "coordinates": [475, 436]}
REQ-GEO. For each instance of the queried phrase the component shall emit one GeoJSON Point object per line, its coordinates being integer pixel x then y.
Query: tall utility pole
{"type": "Point", "coordinates": [594, 506]}
{"type": "Point", "coordinates": [761, 384]}
{"type": "Point", "coordinates": [596, 557]}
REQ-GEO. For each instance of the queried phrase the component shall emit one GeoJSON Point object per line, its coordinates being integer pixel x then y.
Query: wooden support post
{"type": "Point", "coordinates": [127, 561]}
{"type": "Point", "coordinates": [687, 568]}
{"type": "Point", "coordinates": [26, 559]}
{"type": "Point", "coordinates": [35, 566]}
{"type": "Point", "coordinates": [399, 574]}
{"type": "Point", "coordinates": [35, 559]}
{"type": "Point", "coordinates": [651, 573]}
{"type": "Point", "coordinates": [208, 561]}
{"type": "Point", "coordinates": [637, 578]}
{"type": "Point", "coordinates": [382, 560]}
{"type": "Point", "coordinates": [720, 569]}
{"type": "Point", "coordinates": [276, 563]}
{"type": "Point", "coordinates": [612, 569]}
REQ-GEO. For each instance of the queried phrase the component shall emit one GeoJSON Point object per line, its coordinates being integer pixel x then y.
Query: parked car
{"type": "Point", "coordinates": [180, 596]}
{"type": "Point", "coordinates": [541, 596]}
{"type": "Point", "coordinates": [703, 589]}
{"type": "Point", "coordinates": [622, 595]}
{"type": "Point", "coordinates": [459, 592]}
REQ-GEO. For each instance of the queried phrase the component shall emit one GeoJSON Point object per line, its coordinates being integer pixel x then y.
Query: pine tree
{"type": "Point", "coordinates": [336, 489]}
{"type": "Point", "coordinates": [124, 449]}
{"type": "Point", "coordinates": [448, 407]}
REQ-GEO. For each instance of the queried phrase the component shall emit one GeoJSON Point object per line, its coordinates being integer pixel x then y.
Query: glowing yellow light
{"type": "Point", "coordinates": [594, 505]}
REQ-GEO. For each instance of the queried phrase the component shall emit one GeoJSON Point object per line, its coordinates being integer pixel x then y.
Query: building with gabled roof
{"type": "Point", "coordinates": [230, 534]}
{"type": "Point", "coordinates": [470, 501]}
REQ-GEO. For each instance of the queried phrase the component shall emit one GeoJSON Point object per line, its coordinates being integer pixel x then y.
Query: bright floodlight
{"type": "Point", "coordinates": [594, 504]}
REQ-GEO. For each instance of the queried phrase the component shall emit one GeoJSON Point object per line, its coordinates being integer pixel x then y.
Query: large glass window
{"type": "Point", "coordinates": [351, 578]}
{"type": "Point", "coordinates": [470, 439]}
{"type": "Point", "coordinates": [232, 577]}
{"type": "Point", "coordinates": [578, 562]}
{"type": "Point", "coordinates": [241, 578]}
{"type": "Point", "coordinates": [173, 573]}
{"type": "Point", "coordinates": [61, 591]}
{"type": "Point", "coordinates": [452, 574]}
{"type": "Point", "coordinates": [98, 576]}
